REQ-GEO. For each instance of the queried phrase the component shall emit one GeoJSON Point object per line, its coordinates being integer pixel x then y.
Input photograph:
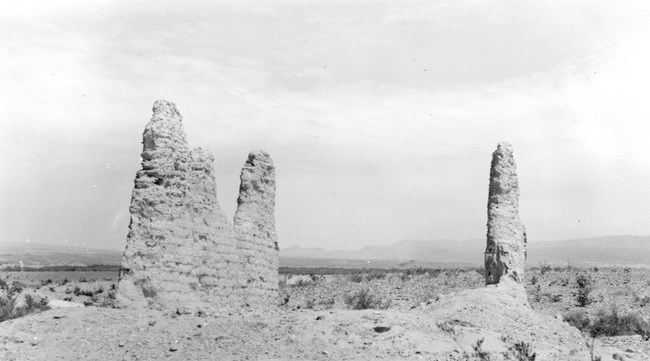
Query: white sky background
{"type": "Point", "coordinates": [381, 116]}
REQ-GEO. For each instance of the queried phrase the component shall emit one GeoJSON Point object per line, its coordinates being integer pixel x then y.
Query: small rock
{"type": "Point", "coordinates": [151, 323]}
{"type": "Point", "coordinates": [173, 348]}
{"type": "Point", "coordinates": [321, 317]}
{"type": "Point", "coordinates": [63, 304]}
{"type": "Point", "coordinates": [381, 329]}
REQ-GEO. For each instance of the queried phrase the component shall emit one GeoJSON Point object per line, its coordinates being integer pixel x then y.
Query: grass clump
{"type": "Point", "coordinates": [544, 267]}
{"type": "Point", "coordinates": [364, 299]}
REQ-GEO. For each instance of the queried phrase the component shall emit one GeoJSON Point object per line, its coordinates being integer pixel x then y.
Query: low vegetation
{"type": "Point", "coordinates": [580, 294]}
{"type": "Point", "coordinates": [584, 290]}
{"type": "Point", "coordinates": [479, 353]}
{"type": "Point", "coordinates": [88, 268]}
{"type": "Point", "coordinates": [364, 299]}
{"type": "Point", "coordinates": [609, 322]}
{"type": "Point", "coordinates": [521, 351]}
{"type": "Point", "coordinates": [544, 267]}
{"type": "Point", "coordinates": [10, 302]}
{"type": "Point", "coordinates": [614, 323]}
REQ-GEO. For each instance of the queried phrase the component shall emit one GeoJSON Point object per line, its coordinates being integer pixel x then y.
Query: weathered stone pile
{"type": "Point", "coordinates": [182, 252]}
{"type": "Point", "coordinates": [505, 253]}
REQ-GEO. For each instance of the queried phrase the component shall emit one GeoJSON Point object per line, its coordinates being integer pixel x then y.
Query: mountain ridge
{"type": "Point", "coordinates": [616, 250]}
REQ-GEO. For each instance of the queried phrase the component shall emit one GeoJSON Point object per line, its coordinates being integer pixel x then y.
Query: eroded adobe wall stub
{"type": "Point", "coordinates": [255, 228]}
{"type": "Point", "coordinates": [215, 263]}
{"type": "Point", "coordinates": [182, 252]}
{"type": "Point", "coordinates": [505, 253]}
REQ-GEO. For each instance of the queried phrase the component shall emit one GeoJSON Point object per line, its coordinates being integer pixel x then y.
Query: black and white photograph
{"type": "Point", "coordinates": [318, 180]}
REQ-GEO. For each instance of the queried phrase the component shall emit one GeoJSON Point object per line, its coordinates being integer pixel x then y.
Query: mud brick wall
{"type": "Point", "coordinates": [181, 251]}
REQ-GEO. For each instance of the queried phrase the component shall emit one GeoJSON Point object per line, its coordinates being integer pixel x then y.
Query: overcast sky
{"type": "Point", "coordinates": [380, 116]}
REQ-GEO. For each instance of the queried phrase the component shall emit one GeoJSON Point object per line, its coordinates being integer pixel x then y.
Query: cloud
{"type": "Point", "coordinates": [380, 117]}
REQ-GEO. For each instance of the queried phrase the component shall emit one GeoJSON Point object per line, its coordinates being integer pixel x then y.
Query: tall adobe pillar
{"type": "Point", "coordinates": [505, 253]}
{"type": "Point", "coordinates": [255, 228]}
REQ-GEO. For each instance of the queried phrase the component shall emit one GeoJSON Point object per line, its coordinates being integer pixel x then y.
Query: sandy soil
{"type": "Point", "coordinates": [436, 315]}
{"type": "Point", "coordinates": [445, 328]}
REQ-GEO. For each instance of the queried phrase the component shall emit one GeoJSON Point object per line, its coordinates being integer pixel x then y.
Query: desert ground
{"type": "Point", "coordinates": [414, 314]}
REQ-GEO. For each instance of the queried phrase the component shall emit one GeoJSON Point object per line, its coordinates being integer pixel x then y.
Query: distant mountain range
{"type": "Point", "coordinates": [629, 251]}
{"type": "Point", "coordinates": [632, 251]}
{"type": "Point", "coordinates": [39, 255]}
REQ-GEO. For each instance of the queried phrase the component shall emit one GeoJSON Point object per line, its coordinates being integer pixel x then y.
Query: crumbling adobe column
{"type": "Point", "coordinates": [505, 253]}
{"type": "Point", "coordinates": [255, 228]}
{"type": "Point", "coordinates": [159, 221]}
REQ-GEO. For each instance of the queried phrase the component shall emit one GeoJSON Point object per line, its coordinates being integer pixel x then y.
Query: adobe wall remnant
{"type": "Point", "coordinates": [257, 242]}
{"type": "Point", "coordinates": [181, 251]}
{"type": "Point", "coordinates": [505, 253]}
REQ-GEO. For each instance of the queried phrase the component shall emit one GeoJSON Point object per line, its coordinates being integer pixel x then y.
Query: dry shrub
{"type": "Point", "coordinates": [544, 267]}
{"type": "Point", "coordinates": [614, 323]}
{"type": "Point", "coordinates": [609, 323]}
{"type": "Point", "coordinates": [9, 303]}
{"type": "Point", "coordinates": [584, 289]}
{"type": "Point", "coordinates": [521, 351]}
{"type": "Point", "coordinates": [364, 299]}
{"type": "Point", "coordinates": [577, 319]}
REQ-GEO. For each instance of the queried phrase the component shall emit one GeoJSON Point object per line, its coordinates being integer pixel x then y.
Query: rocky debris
{"type": "Point", "coordinates": [181, 252]}
{"type": "Point", "coordinates": [63, 304]}
{"type": "Point", "coordinates": [444, 330]}
{"type": "Point", "coordinates": [505, 253]}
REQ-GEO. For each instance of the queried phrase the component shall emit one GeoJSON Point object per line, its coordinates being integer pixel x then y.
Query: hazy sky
{"type": "Point", "coordinates": [381, 116]}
